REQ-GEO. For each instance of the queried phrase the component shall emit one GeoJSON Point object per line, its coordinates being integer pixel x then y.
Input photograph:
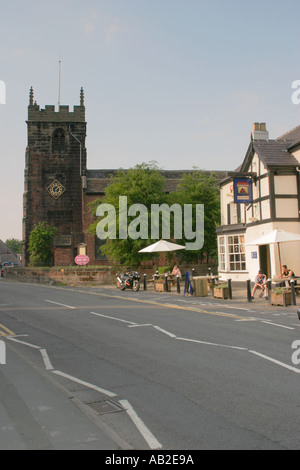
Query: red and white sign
{"type": "Point", "coordinates": [82, 260]}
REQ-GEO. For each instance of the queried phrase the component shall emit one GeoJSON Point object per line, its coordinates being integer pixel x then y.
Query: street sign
{"type": "Point", "coordinates": [82, 260]}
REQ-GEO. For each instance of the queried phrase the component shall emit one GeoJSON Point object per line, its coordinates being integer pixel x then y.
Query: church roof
{"type": "Point", "coordinates": [98, 180]}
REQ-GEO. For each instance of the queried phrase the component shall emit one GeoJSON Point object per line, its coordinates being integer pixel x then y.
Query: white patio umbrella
{"type": "Point", "coordinates": [161, 247]}
{"type": "Point", "coordinates": [276, 236]}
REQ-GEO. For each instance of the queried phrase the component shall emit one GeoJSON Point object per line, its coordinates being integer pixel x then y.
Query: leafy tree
{"type": "Point", "coordinates": [143, 184]}
{"type": "Point", "coordinates": [41, 245]}
{"type": "Point", "coordinates": [14, 244]}
{"type": "Point", "coordinates": [200, 187]}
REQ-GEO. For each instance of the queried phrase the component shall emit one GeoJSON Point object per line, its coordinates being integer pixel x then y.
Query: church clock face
{"type": "Point", "coordinates": [56, 189]}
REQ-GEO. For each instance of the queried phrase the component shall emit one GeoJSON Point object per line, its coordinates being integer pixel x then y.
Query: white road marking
{"type": "Point", "coordinates": [147, 435]}
{"type": "Point", "coordinates": [113, 318]}
{"type": "Point", "coordinates": [212, 344]}
{"type": "Point", "coordinates": [248, 319]}
{"type": "Point", "coordinates": [62, 305]}
{"type": "Point", "coordinates": [46, 359]}
{"type": "Point", "coordinates": [23, 342]}
{"type": "Point", "coordinates": [138, 326]}
{"type": "Point", "coordinates": [276, 324]}
{"type": "Point", "coordinates": [165, 332]}
{"type": "Point", "coordinates": [282, 364]}
{"type": "Point", "coordinates": [86, 384]}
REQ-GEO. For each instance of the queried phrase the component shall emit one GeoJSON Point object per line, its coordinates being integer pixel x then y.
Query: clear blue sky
{"type": "Point", "coordinates": [176, 81]}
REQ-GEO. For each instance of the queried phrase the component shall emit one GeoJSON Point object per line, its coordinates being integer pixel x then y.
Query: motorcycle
{"type": "Point", "coordinates": [130, 280]}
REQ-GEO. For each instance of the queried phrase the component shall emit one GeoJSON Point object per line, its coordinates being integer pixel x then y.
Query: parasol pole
{"type": "Point", "coordinates": [279, 257]}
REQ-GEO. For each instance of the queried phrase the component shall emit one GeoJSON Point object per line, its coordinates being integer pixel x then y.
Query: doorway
{"type": "Point", "coordinates": [264, 260]}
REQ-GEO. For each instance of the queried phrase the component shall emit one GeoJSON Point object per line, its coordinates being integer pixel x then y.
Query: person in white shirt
{"type": "Point", "coordinates": [260, 282]}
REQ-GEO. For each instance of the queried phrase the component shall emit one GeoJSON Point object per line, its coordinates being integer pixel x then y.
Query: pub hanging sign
{"type": "Point", "coordinates": [243, 190]}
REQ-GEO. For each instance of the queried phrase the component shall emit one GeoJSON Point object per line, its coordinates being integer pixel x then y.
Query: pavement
{"type": "Point", "coordinates": [239, 298]}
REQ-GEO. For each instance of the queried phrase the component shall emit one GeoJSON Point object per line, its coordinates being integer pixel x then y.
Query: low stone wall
{"type": "Point", "coordinates": [69, 276]}
{"type": "Point", "coordinates": [80, 276]}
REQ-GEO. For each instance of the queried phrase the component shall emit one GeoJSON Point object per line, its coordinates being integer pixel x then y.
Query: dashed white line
{"type": "Point", "coordinates": [61, 305]}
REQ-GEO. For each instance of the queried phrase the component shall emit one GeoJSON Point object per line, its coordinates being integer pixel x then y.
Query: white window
{"type": "Point", "coordinates": [222, 254]}
{"type": "Point", "coordinates": [236, 253]}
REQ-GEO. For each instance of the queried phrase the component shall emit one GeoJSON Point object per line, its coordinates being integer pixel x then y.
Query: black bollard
{"type": "Point", "coordinates": [229, 289]}
{"type": "Point", "coordinates": [145, 282]}
{"type": "Point", "coordinates": [166, 282]}
{"type": "Point", "coordinates": [213, 283]}
{"type": "Point", "coordinates": [298, 313]}
{"type": "Point", "coordinates": [249, 296]}
{"type": "Point", "coordinates": [269, 285]}
{"type": "Point", "coordinates": [292, 283]}
{"type": "Point", "coordinates": [178, 284]}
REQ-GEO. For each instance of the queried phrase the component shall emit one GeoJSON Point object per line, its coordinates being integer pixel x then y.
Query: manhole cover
{"type": "Point", "coordinates": [104, 407]}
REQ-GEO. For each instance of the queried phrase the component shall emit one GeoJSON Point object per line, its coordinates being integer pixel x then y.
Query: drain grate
{"type": "Point", "coordinates": [107, 406]}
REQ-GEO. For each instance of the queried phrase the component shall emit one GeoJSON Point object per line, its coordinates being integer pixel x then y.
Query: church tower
{"type": "Point", "coordinates": [55, 172]}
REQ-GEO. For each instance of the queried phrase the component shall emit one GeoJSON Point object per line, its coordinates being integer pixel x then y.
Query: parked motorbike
{"type": "Point", "coordinates": [129, 280]}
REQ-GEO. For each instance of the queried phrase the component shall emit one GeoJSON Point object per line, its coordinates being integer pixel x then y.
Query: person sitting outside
{"type": "Point", "coordinates": [260, 282]}
{"type": "Point", "coordinates": [286, 273]}
{"type": "Point", "coordinates": [176, 271]}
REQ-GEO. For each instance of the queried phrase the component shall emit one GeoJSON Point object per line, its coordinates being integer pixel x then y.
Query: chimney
{"type": "Point", "coordinates": [260, 131]}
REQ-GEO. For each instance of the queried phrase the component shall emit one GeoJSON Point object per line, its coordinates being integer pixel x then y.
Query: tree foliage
{"type": "Point", "coordinates": [142, 184]}
{"type": "Point", "coordinates": [145, 184]}
{"type": "Point", "coordinates": [14, 245]}
{"type": "Point", "coordinates": [41, 245]}
{"type": "Point", "coordinates": [200, 187]}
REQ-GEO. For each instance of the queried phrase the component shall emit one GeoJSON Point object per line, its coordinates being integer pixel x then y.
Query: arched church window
{"type": "Point", "coordinates": [58, 141]}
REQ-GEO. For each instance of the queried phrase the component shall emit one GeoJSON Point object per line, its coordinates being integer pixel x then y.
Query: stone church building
{"type": "Point", "coordinates": [58, 185]}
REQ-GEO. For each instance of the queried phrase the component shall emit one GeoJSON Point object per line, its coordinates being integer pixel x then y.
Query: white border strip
{"type": "Point", "coordinates": [147, 435]}
{"type": "Point", "coordinates": [46, 359]}
{"type": "Point", "coordinates": [86, 384]}
{"type": "Point", "coordinates": [286, 366]}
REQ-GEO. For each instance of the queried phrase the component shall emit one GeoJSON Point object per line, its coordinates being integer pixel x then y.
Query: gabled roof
{"type": "Point", "coordinates": [274, 153]}
{"type": "Point", "coordinates": [4, 250]}
{"type": "Point", "coordinates": [292, 136]}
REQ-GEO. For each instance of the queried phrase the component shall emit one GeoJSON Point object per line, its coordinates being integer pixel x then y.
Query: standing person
{"type": "Point", "coordinates": [261, 282]}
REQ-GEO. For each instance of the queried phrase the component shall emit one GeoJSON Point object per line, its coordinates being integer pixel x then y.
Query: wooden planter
{"type": "Point", "coordinates": [221, 293]}
{"type": "Point", "coordinates": [283, 299]}
{"type": "Point", "coordinates": [160, 286]}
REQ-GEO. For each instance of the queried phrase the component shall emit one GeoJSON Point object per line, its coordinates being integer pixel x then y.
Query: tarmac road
{"type": "Point", "coordinates": [96, 368]}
